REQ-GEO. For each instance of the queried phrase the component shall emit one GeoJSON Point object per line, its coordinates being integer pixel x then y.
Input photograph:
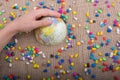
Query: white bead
{"type": "Point", "coordinates": [88, 31]}
{"type": "Point", "coordinates": [16, 40]}
{"type": "Point", "coordinates": [111, 54]}
{"type": "Point", "coordinates": [58, 76]}
{"type": "Point", "coordinates": [27, 63]}
{"type": "Point", "coordinates": [31, 61]}
{"type": "Point", "coordinates": [10, 65]}
{"type": "Point", "coordinates": [75, 18]}
{"type": "Point", "coordinates": [23, 58]}
{"type": "Point", "coordinates": [92, 0]}
{"type": "Point", "coordinates": [85, 69]}
{"type": "Point", "coordinates": [61, 71]}
{"type": "Point", "coordinates": [40, 52]}
{"type": "Point", "coordinates": [110, 27]}
{"type": "Point", "coordinates": [43, 55]}
{"type": "Point", "coordinates": [68, 71]}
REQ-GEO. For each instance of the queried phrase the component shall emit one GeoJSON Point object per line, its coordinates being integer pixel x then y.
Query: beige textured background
{"type": "Point", "coordinates": [21, 69]}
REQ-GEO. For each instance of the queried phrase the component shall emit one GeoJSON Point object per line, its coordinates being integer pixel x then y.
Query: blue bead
{"type": "Point", "coordinates": [97, 15]}
{"type": "Point", "coordinates": [89, 71]}
{"type": "Point", "coordinates": [91, 56]}
{"type": "Point", "coordinates": [56, 73]}
{"type": "Point", "coordinates": [108, 14]}
{"type": "Point", "coordinates": [112, 48]}
{"type": "Point", "coordinates": [45, 70]}
{"type": "Point", "coordinates": [93, 76]}
{"type": "Point", "coordinates": [14, 78]}
{"type": "Point", "coordinates": [93, 65]}
{"type": "Point", "coordinates": [56, 56]}
{"type": "Point", "coordinates": [27, 3]}
{"type": "Point", "coordinates": [70, 67]}
{"type": "Point", "coordinates": [107, 54]}
{"type": "Point", "coordinates": [48, 65]}
{"type": "Point", "coordinates": [101, 44]}
{"type": "Point", "coordinates": [76, 77]}
{"type": "Point", "coordinates": [58, 1]}
{"type": "Point", "coordinates": [67, 10]}
{"type": "Point", "coordinates": [44, 6]}
{"type": "Point", "coordinates": [109, 30]}
{"type": "Point", "coordinates": [102, 25]}
{"type": "Point", "coordinates": [118, 53]}
{"type": "Point", "coordinates": [62, 60]}
{"type": "Point", "coordinates": [116, 58]}
{"type": "Point", "coordinates": [88, 47]}
{"type": "Point", "coordinates": [108, 40]}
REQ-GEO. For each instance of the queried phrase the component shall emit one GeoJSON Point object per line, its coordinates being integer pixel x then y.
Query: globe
{"type": "Point", "coordinates": [52, 34]}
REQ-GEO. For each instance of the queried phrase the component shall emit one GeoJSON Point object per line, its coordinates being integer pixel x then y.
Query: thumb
{"type": "Point", "coordinates": [43, 23]}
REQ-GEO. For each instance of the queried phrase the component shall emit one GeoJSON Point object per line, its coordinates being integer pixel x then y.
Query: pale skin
{"type": "Point", "coordinates": [25, 23]}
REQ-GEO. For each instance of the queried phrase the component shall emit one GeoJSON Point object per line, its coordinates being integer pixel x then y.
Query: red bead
{"type": "Point", "coordinates": [105, 64]}
{"type": "Point", "coordinates": [59, 50]}
{"type": "Point", "coordinates": [62, 0]}
{"type": "Point", "coordinates": [56, 67]}
{"type": "Point", "coordinates": [104, 38]}
{"type": "Point", "coordinates": [118, 61]}
{"type": "Point", "coordinates": [11, 76]}
{"type": "Point", "coordinates": [116, 78]}
{"type": "Point", "coordinates": [96, 38]}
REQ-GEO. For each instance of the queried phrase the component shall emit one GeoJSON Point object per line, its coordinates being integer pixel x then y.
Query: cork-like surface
{"type": "Point", "coordinates": [19, 68]}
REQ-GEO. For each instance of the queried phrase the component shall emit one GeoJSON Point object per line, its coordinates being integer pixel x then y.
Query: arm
{"type": "Point", "coordinates": [25, 23]}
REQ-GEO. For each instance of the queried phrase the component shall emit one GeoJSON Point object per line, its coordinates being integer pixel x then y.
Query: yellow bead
{"type": "Point", "coordinates": [37, 66]}
{"type": "Point", "coordinates": [98, 33]}
{"type": "Point", "coordinates": [99, 53]}
{"type": "Point", "coordinates": [93, 49]}
{"type": "Point", "coordinates": [13, 48]}
{"type": "Point", "coordinates": [6, 57]}
{"type": "Point", "coordinates": [71, 56]}
{"type": "Point", "coordinates": [73, 25]}
{"type": "Point", "coordinates": [117, 68]}
{"type": "Point", "coordinates": [19, 48]}
{"type": "Point", "coordinates": [113, 4]}
{"type": "Point", "coordinates": [115, 51]}
{"type": "Point", "coordinates": [60, 66]}
{"type": "Point", "coordinates": [87, 14]}
{"type": "Point", "coordinates": [92, 41]}
{"type": "Point", "coordinates": [85, 65]}
{"type": "Point", "coordinates": [63, 72]}
{"type": "Point", "coordinates": [78, 43]}
{"type": "Point", "coordinates": [96, 61]}
{"type": "Point", "coordinates": [74, 12]}
{"type": "Point", "coordinates": [79, 25]}
{"type": "Point", "coordinates": [101, 33]}
{"type": "Point", "coordinates": [10, 61]}
{"type": "Point", "coordinates": [58, 54]}
{"type": "Point", "coordinates": [72, 64]}
{"type": "Point", "coordinates": [43, 79]}
{"type": "Point", "coordinates": [80, 79]}
{"type": "Point", "coordinates": [28, 77]}
{"type": "Point", "coordinates": [76, 55]}
{"type": "Point", "coordinates": [91, 21]}
{"type": "Point", "coordinates": [100, 59]}
{"type": "Point", "coordinates": [48, 61]}
{"type": "Point", "coordinates": [16, 58]}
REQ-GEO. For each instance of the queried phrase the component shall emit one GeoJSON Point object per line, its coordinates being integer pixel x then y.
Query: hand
{"type": "Point", "coordinates": [28, 22]}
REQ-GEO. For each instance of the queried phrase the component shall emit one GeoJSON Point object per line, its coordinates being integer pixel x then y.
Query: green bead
{"type": "Point", "coordinates": [104, 59]}
{"type": "Point", "coordinates": [1, 26]}
{"type": "Point", "coordinates": [86, 27]}
{"type": "Point", "coordinates": [1, 13]}
{"type": "Point", "coordinates": [97, 46]}
{"type": "Point", "coordinates": [100, 11]}
{"type": "Point", "coordinates": [118, 20]}
{"type": "Point", "coordinates": [100, 67]}
{"type": "Point", "coordinates": [88, 0]}
{"type": "Point", "coordinates": [66, 41]}
{"type": "Point", "coordinates": [66, 17]}
{"type": "Point", "coordinates": [4, 19]}
{"type": "Point", "coordinates": [119, 14]}
{"type": "Point", "coordinates": [48, 79]}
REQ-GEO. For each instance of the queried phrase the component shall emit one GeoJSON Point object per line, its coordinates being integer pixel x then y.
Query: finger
{"type": "Point", "coordinates": [43, 23]}
{"type": "Point", "coordinates": [46, 12]}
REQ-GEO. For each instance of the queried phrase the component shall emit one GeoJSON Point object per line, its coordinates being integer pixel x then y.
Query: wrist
{"type": "Point", "coordinates": [10, 29]}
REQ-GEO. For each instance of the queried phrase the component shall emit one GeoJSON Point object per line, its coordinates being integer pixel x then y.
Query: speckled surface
{"type": "Point", "coordinates": [21, 69]}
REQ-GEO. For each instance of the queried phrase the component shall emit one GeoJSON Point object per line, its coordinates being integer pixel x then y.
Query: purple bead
{"type": "Point", "coordinates": [70, 60]}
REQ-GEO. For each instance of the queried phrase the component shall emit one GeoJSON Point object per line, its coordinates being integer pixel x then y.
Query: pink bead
{"type": "Point", "coordinates": [60, 11]}
{"type": "Point", "coordinates": [95, 4]}
{"type": "Point", "coordinates": [108, 6]}
{"type": "Point", "coordinates": [90, 33]}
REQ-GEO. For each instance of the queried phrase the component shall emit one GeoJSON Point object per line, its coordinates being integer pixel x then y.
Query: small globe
{"type": "Point", "coordinates": [53, 34]}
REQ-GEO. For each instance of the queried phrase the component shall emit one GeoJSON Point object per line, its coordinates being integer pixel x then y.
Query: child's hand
{"type": "Point", "coordinates": [28, 22]}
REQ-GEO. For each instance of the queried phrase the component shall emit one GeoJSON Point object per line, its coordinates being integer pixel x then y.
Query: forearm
{"type": "Point", "coordinates": [5, 35]}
